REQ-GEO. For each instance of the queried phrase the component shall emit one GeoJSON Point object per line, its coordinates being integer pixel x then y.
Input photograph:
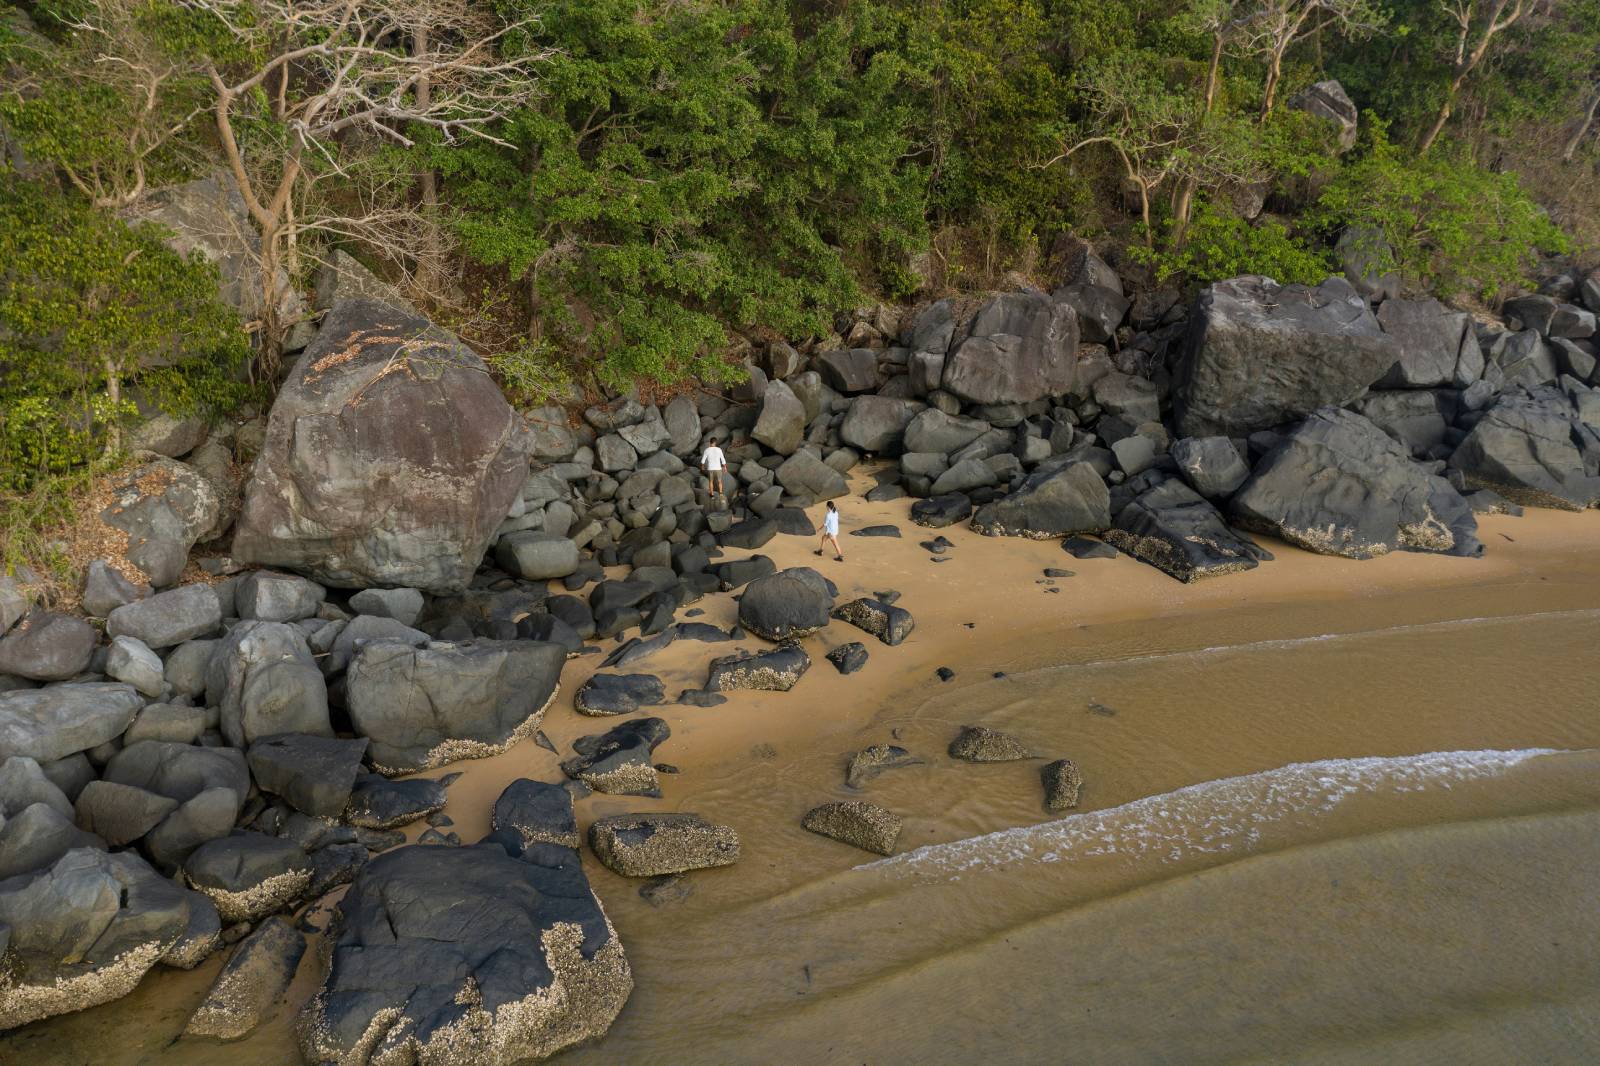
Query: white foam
{"type": "Point", "coordinates": [1216, 816]}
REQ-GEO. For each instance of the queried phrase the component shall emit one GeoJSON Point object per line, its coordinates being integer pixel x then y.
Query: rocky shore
{"type": "Point", "coordinates": [413, 565]}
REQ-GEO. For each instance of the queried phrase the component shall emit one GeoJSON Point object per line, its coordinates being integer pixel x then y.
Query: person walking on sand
{"type": "Point", "coordinates": [713, 462]}
{"type": "Point", "coordinates": [830, 532]}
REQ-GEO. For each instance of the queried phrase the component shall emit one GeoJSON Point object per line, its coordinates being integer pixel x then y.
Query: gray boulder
{"type": "Point", "coordinates": [934, 431]}
{"type": "Point", "coordinates": [268, 597]}
{"type": "Point", "coordinates": [1438, 346]}
{"type": "Point", "coordinates": [683, 423]}
{"type": "Point", "coordinates": [164, 508]}
{"type": "Point", "coordinates": [782, 425]}
{"type": "Point", "coordinates": [173, 722]}
{"type": "Point", "coordinates": [105, 589]}
{"type": "Point", "coordinates": [37, 837]}
{"type": "Point", "coordinates": [130, 662]}
{"type": "Point", "coordinates": [391, 457]}
{"type": "Point", "coordinates": [608, 694]}
{"type": "Point", "coordinates": [248, 875]}
{"type": "Point", "coordinates": [1414, 418]}
{"type": "Point", "coordinates": [1338, 485]}
{"type": "Point", "coordinates": [1259, 354]}
{"type": "Point", "coordinates": [402, 605]}
{"type": "Point", "coordinates": [1050, 503]}
{"type": "Point", "coordinates": [204, 818]}
{"type": "Point", "coordinates": [120, 814]}
{"type": "Point", "coordinates": [1176, 531]}
{"type": "Point", "coordinates": [849, 370]}
{"type": "Point", "coordinates": [1018, 348]}
{"type": "Point", "coordinates": [1533, 448]}
{"type": "Point", "coordinates": [379, 803]}
{"type": "Point", "coordinates": [46, 646]}
{"type": "Point", "coordinates": [493, 954]}
{"type": "Point", "coordinates": [313, 774]}
{"type": "Point", "coordinates": [789, 604]}
{"type": "Point", "coordinates": [169, 618]}
{"type": "Point", "coordinates": [47, 724]}
{"type": "Point", "coordinates": [1328, 101]}
{"type": "Point", "coordinates": [264, 680]}
{"type": "Point", "coordinates": [536, 556]}
{"type": "Point", "coordinates": [424, 707]}
{"type": "Point", "coordinates": [84, 933]}
{"type": "Point", "coordinates": [1100, 310]}
{"type": "Point", "coordinates": [1212, 466]}
{"type": "Point", "coordinates": [23, 783]}
{"type": "Point", "coordinates": [878, 423]}
{"type": "Point", "coordinates": [251, 983]}
{"type": "Point", "coordinates": [803, 474]}
{"type": "Point", "coordinates": [651, 845]}
{"type": "Point", "coordinates": [618, 762]}
{"type": "Point", "coordinates": [363, 630]}
{"type": "Point", "coordinates": [15, 601]}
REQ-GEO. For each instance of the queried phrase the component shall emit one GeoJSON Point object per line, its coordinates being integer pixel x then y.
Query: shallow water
{"type": "Point", "coordinates": [1364, 831]}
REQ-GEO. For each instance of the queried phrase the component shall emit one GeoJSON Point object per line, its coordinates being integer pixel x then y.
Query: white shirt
{"type": "Point", "coordinates": [713, 459]}
{"type": "Point", "coordinates": [830, 523]}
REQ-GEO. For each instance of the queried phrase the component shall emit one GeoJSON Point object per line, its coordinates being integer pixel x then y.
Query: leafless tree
{"type": "Point", "coordinates": [1273, 26]}
{"type": "Point", "coordinates": [1477, 25]}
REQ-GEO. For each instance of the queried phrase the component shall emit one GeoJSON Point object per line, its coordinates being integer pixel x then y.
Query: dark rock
{"type": "Point", "coordinates": [849, 370]}
{"type": "Point", "coordinates": [264, 679]}
{"type": "Point", "coordinates": [877, 424]}
{"type": "Point", "coordinates": [1260, 354]}
{"type": "Point", "coordinates": [46, 646]}
{"type": "Point", "coordinates": [1179, 533]}
{"type": "Point", "coordinates": [877, 531]}
{"type": "Point", "coordinates": [888, 623]}
{"type": "Point", "coordinates": [402, 605]}
{"type": "Point", "coordinates": [702, 632]}
{"type": "Point", "coordinates": [248, 875]}
{"type": "Point", "coordinates": [1018, 348]}
{"type": "Point", "coordinates": [605, 694]}
{"type": "Point", "coordinates": [379, 803]}
{"type": "Point", "coordinates": [694, 697]}
{"type": "Point", "coordinates": [936, 512]}
{"type": "Point", "coordinates": [1411, 417]}
{"type": "Point", "coordinates": [776, 670]}
{"type": "Point", "coordinates": [638, 649]}
{"type": "Point", "coordinates": [1050, 503]}
{"type": "Point", "coordinates": [1339, 486]}
{"type": "Point", "coordinates": [870, 762]}
{"type": "Point", "coordinates": [38, 836]}
{"type": "Point", "coordinates": [1062, 783]}
{"type": "Point", "coordinates": [363, 630]}
{"type": "Point", "coordinates": [84, 933]}
{"type": "Point", "coordinates": [938, 545]}
{"type": "Point", "coordinates": [51, 723]}
{"type": "Point", "coordinates": [536, 556]}
{"type": "Point", "coordinates": [1212, 466]}
{"type": "Point", "coordinates": [618, 762]}
{"type": "Point", "coordinates": [976, 743]}
{"type": "Point", "coordinates": [538, 812]}
{"type": "Point", "coordinates": [782, 425]}
{"type": "Point", "coordinates": [803, 474]}
{"type": "Point", "coordinates": [424, 707]}
{"type": "Point", "coordinates": [370, 476]}
{"type": "Point", "coordinates": [312, 774]}
{"type": "Point", "coordinates": [251, 982]}
{"type": "Point", "coordinates": [490, 954]}
{"type": "Point", "coordinates": [945, 673]}
{"type": "Point", "coordinates": [1437, 345]}
{"type": "Point", "coordinates": [862, 825]}
{"type": "Point", "coordinates": [650, 845]}
{"type": "Point", "coordinates": [1100, 310]}
{"type": "Point", "coordinates": [848, 658]}
{"type": "Point", "coordinates": [789, 604]}
{"type": "Point", "coordinates": [1532, 448]}
{"type": "Point", "coordinates": [168, 618]}
{"type": "Point", "coordinates": [751, 534]}
{"type": "Point", "coordinates": [1084, 548]}
{"type": "Point", "coordinates": [120, 814]}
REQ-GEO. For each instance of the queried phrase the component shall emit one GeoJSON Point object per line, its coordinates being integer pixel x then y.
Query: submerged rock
{"type": "Point", "coordinates": [491, 954]}
{"type": "Point", "coordinates": [252, 981]}
{"type": "Point", "coordinates": [870, 762]}
{"type": "Point", "coordinates": [1062, 783]}
{"type": "Point", "coordinates": [976, 743]}
{"type": "Point", "coordinates": [863, 825]}
{"type": "Point", "coordinates": [649, 845]}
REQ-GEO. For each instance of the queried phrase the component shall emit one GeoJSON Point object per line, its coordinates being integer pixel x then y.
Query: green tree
{"type": "Point", "coordinates": [88, 309]}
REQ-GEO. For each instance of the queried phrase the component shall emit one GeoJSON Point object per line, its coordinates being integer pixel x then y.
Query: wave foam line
{"type": "Point", "coordinates": [1215, 816]}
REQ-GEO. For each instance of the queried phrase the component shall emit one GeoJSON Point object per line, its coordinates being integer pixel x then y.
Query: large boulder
{"type": "Point", "coordinates": [313, 774]}
{"type": "Point", "coordinates": [776, 670]}
{"type": "Point", "coordinates": [1339, 485]}
{"type": "Point", "coordinates": [391, 457]}
{"type": "Point", "coordinates": [1179, 533]}
{"type": "Point", "coordinates": [264, 679]}
{"type": "Point", "coordinates": [782, 424]}
{"type": "Point", "coordinates": [1212, 466]}
{"type": "Point", "coordinates": [1534, 448]}
{"type": "Point", "coordinates": [168, 618]}
{"type": "Point", "coordinates": [495, 954]}
{"type": "Point", "coordinates": [424, 707]}
{"type": "Point", "coordinates": [47, 646]}
{"type": "Point", "coordinates": [934, 431]}
{"type": "Point", "coordinates": [1438, 346]}
{"type": "Point", "coordinates": [878, 423]}
{"type": "Point", "coordinates": [789, 604]}
{"type": "Point", "coordinates": [163, 509]}
{"type": "Point", "coordinates": [1259, 354]}
{"type": "Point", "coordinates": [34, 839]}
{"type": "Point", "coordinates": [1328, 101]}
{"type": "Point", "coordinates": [1050, 503]}
{"type": "Point", "coordinates": [51, 723]}
{"type": "Point", "coordinates": [249, 875]}
{"type": "Point", "coordinates": [803, 474]}
{"type": "Point", "coordinates": [1018, 348]}
{"type": "Point", "coordinates": [84, 932]}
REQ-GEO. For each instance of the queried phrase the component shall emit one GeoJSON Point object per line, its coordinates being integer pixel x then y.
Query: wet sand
{"type": "Point", "coordinates": [1152, 687]}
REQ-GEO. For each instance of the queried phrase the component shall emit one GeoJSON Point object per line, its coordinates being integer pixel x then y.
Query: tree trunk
{"type": "Point", "coordinates": [114, 394]}
{"type": "Point", "coordinates": [1182, 207]}
{"type": "Point", "coordinates": [1443, 116]}
{"type": "Point", "coordinates": [1274, 72]}
{"type": "Point", "coordinates": [271, 354]}
{"type": "Point", "coordinates": [429, 261]}
{"type": "Point", "coordinates": [1583, 128]}
{"type": "Point", "coordinates": [1213, 72]}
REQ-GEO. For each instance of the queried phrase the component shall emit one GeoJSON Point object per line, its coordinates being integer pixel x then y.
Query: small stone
{"type": "Point", "coordinates": [976, 743]}
{"type": "Point", "coordinates": [1062, 783]}
{"type": "Point", "coordinates": [673, 888]}
{"type": "Point", "coordinates": [848, 658]}
{"type": "Point", "coordinates": [945, 673]}
{"type": "Point", "coordinates": [863, 825]}
{"type": "Point", "coordinates": [870, 762]}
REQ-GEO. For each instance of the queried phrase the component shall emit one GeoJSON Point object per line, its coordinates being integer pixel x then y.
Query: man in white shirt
{"type": "Point", "coordinates": [713, 462]}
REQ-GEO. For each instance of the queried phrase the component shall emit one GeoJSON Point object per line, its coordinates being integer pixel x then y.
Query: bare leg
{"type": "Point", "coordinates": [838, 552]}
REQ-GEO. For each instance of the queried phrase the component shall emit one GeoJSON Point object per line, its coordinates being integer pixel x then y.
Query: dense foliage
{"type": "Point", "coordinates": [95, 316]}
{"type": "Point", "coordinates": [668, 175]}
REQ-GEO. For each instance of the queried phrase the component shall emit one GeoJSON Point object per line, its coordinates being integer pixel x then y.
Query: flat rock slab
{"type": "Point", "coordinates": [650, 845]}
{"type": "Point", "coordinates": [862, 825]}
{"type": "Point", "coordinates": [251, 983]}
{"type": "Point", "coordinates": [314, 775]}
{"type": "Point", "coordinates": [936, 512]}
{"type": "Point", "coordinates": [376, 802]}
{"type": "Point", "coordinates": [490, 954]}
{"type": "Point", "coordinates": [47, 724]}
{"type": "Point", "coordinates": [608, 694]}
{"type": "Point", "coordinates": [778, 670]}
{"type": "Point", "coordinates": [877, 531]}
{"type": "Point", "coordinates": [869, 762]}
